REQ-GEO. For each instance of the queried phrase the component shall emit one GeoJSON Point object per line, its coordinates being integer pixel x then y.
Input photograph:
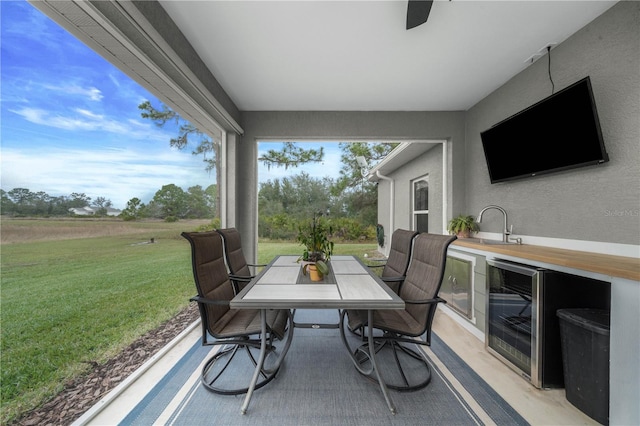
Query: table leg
{"type": "Point", "coordinates": [372, 355]}
{"type": "Point", "coordinates": [259, 365]}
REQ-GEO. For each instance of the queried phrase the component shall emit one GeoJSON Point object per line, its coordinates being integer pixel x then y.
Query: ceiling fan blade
{"type": "Point", "coordinates": [418, 12]}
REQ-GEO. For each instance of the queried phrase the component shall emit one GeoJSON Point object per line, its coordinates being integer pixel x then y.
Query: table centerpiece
{"type": "Point", "coordinates": [314, 236]}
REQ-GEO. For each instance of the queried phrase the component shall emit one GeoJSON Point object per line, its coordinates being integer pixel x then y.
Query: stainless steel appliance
{"type": "Point", "coordinates": [522, 328]}
{"type": "Point", "coordinates": [457, 284]}
{"type": "Point", "coordinates": [514, 328]}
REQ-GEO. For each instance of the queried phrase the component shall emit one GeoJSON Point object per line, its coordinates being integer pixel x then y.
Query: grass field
{"type": "Point", "coordinates": [78, 291]}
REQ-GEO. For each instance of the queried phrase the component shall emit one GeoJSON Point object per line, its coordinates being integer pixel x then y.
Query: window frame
{"type": "Point", "coordinates": [416, 213]}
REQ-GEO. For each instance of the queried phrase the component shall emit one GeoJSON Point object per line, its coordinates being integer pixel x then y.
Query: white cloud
{"type": "Point", "coordinates": [114, 80]}
{"type": "Point", "coordinates": [45, 118]}
{"type": "Point", "coordinates": [85, 120]}
{"type": "Point", "coordinates": [90, 93]}
{"type": "Point", "coordinates": [34, 25]}
{"type": "Point", "coordinates": [89, 114]}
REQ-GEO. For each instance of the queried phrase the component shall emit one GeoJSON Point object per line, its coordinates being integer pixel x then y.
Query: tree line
{"type": "Point", "coordinates": [169, 203]}
{"type": "Point", "coordinates": [23, 202]}
{"type": "Point", "coordinates": [284, 205]}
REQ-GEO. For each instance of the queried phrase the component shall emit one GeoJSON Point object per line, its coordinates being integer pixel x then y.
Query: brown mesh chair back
{"type": "Point", "coordinates": [399, 256]}
{"type": "Point", "coordinates": [236, 261]}
{"type": "Point", "coordinates": [239, 269]}
{"type": "Point", "coordinates": [210, 275]}
{"type": "Point", "coordinates": [423, 280]}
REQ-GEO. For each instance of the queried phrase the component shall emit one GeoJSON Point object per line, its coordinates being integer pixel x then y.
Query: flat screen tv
{"type": "Point", "coordinates": [558, 133]}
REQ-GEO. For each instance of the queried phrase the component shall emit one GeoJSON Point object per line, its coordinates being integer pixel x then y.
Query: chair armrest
{"type": "Point", "coordinates": [376, 266]}
{"type": "Point", "coordinates": [425, 302]}
{"type": "Point", "coordinates": [257, 265]}
{"type": "Point", "coordinates": [206, 301]}
{"type": "Point", "coordinates": [392, 279]}
{"type": "Point", "coordinates": [241, 278]}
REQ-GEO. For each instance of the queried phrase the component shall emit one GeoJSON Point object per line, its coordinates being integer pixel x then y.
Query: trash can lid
{"type": "Point", "coordinates": [596, 320]}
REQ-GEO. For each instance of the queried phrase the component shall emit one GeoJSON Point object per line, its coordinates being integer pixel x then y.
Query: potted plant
{"type": "Point", "coordinates": [463, 226]}
{"type": "Point", "coordinates": [314, 236]}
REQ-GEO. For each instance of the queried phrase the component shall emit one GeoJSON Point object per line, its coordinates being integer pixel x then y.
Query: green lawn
{"type": "Point", "coordinates": [68, 302]}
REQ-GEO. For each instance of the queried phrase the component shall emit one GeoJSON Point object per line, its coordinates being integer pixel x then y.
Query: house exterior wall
{"type": "Point", "coordinates": [429, 163]}
{"type": "Point", "coordinates": [599, 203]}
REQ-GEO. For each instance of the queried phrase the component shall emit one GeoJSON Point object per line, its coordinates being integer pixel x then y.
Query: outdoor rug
{"type": "Point", "coordinates": [318, 385]}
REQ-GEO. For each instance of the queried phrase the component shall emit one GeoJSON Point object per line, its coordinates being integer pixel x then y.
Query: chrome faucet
{"type": "Point", "coordinates": [506, 232]}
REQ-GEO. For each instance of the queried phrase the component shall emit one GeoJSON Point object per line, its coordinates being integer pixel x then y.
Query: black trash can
{"type": "Point", "coordinates": [584, 335]}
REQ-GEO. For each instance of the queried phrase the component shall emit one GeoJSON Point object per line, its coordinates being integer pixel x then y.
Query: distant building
{"type": "Point", "coordinates": [82, 211]}
{"type": "Point", "coordinates": [91, 211]}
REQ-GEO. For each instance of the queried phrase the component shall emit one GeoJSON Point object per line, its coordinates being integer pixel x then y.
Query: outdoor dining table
{"type": "Point", "coordinates": [350, 284]}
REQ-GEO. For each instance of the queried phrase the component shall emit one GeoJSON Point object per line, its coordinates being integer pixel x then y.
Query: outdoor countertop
{"type": "Point", "coordinates": [615, 266]}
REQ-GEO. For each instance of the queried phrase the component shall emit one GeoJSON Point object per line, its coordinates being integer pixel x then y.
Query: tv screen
{"type": "Point", "coordinates": [558, 133]}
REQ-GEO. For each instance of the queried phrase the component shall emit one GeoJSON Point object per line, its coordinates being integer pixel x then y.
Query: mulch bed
{"type": "Point", "coordinates": [81, 394]}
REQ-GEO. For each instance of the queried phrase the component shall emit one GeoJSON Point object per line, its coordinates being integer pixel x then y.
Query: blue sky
{"type": "Point", "coordinates": [70, 121]}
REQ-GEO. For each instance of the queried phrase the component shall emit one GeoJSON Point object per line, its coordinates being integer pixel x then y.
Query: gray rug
{"type": "Point", "coordinates": [318, 385]}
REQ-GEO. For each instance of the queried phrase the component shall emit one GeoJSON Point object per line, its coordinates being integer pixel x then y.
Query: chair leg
{"type": "Point", "coordinates": [216, 366]}
{"type": "Point", "coordinates": [208, 383]}
{"type": "Point", "coordinates": [399, 365]}
{"type": "Point", "coordinates": [213, 370]}
{"type": "Point", "coordinates": [404, 358]}
{"type": "Point", "coordinates": [402, 355]}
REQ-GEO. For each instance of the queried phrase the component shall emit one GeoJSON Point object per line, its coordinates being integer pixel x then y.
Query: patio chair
{"type": "Point", "coordinates": [232, 329]}
{"type": "Point", "coordinates": [239, 270]}
{"type": "Point", "coordinates": [396, 264]}
{"type": "Point", "coordinates": [397, 331]}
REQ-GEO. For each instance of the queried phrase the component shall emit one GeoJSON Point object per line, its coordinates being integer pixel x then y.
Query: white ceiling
{"type": "Point", "coordinates": [357, 55]}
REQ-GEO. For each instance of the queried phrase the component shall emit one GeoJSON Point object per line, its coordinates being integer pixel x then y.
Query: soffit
{"type": "Point", "coordinates": [402, 154]}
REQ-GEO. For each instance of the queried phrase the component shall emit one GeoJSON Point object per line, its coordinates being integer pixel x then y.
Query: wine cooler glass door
{"type": "Point", "coordinates": [512, 315]}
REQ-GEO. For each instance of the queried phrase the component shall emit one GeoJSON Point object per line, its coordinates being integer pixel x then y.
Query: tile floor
{"type": "Point", "coordinates": [538, 407]}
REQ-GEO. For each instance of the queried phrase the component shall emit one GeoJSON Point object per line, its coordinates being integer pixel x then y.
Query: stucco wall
{"type": "Point", "coordinates": [429, 163]}
{"type": "Point", "coordinates": [600, 203]}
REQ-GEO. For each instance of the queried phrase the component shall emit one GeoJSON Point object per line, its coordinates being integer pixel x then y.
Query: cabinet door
{"type": "Point", "coordinates": [458, 276]}
{"type": "Point", "coordinates": [447, 280]}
